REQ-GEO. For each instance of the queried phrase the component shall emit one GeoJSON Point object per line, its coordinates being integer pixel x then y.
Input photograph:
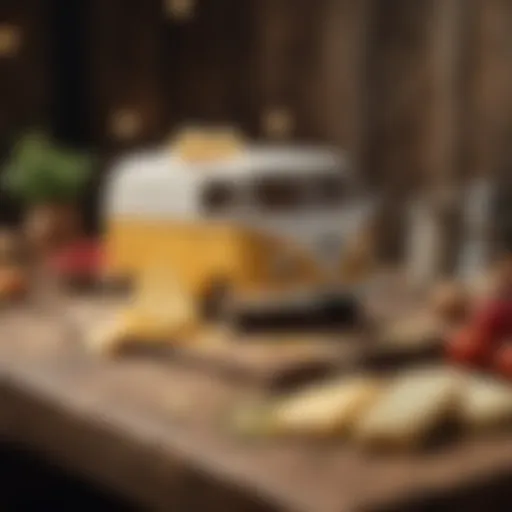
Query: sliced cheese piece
{"type": "Point", "coordinates": [411, 409]}
{"type": "Point", "coordinates": [487, 404]}
{"type": "Point", "coordinates": [327, 409]}
{"type": "Point", "coordinates": [136, 326]}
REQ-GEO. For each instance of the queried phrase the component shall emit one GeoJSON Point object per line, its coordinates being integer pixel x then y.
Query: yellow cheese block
{"type": "Point", "coordinates": [411, 409]}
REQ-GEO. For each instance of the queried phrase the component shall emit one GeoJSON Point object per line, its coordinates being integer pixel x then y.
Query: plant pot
{"type": "Point", "coordinates": [50, 225]}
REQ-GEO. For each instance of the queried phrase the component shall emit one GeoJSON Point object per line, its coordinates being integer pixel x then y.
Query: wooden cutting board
{"type": "Point", "coordinates": [267, 360]}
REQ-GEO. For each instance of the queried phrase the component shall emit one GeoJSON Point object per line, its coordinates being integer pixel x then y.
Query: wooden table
{"type": "Point", "coordinates": [154, 433]}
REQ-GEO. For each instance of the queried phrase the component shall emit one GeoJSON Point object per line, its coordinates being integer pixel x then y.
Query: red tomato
{"type": "Point", "coordinates": [82, 258]}
{"type": "Point", "coordinates": [469, 347]}
{"type": "Point", "coordinates": [503, 360]}
{"type": "Point", "coordinates": [495, 320]}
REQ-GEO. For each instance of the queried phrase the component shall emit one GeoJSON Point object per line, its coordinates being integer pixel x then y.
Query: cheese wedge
{"type": "Point", "coordinates": [487, 404]}
{"type": "Point", "coordinates": [160, 312]}
{"type": "Point", "coordinates": [411, 409]}
{"type": "Point", "coordinates": [325, 410]}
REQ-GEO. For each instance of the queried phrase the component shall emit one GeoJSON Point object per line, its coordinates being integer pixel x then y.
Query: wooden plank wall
{"type": "Point", "coordinates": [208, 74]}
{"type": "Point", "coordinates": [490, 82]}
{"type": "Point", "coordinates": [125, 76]}
{"type": "Point", "coordinates": [490, 108]}
{"type": "Point", "coordinates": [370, 75]}
{"type": "Point", "coordinates": [24, 65]}
{"type": "Point", "coordinates": [375, 76]}
{"type": "Point", "coordinates": [231, 62]}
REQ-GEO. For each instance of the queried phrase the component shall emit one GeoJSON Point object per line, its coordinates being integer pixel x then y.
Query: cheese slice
{"type": "Point", "coordinates": [327, 409]}
{"type": "Point", "coordinates": [411, 409]}
{"type": "Point", "coordinates": [487, 403]}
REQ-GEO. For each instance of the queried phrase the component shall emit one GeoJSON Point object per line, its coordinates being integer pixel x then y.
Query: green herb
{"type": "Point", "coordinates": [42, 171]}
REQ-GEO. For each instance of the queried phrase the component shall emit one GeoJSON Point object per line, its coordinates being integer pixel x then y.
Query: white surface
{"type": "Point", "coordinates": [159, 184]}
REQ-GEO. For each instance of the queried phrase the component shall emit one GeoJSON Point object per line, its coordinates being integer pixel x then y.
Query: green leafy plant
{"type": "Point", "coordinates": [42, 171]}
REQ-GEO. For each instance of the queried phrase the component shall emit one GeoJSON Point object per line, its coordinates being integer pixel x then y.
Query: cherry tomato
{"type": "Point", "coordinates": [503, 361]}
{"type": "Point", "coordinates": [495, 320]}
{"type": "Point", "coordinates": [80, 259]}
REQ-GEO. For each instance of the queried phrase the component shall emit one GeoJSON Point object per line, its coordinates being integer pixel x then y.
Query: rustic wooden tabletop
{"type": "Point", "coordinates": [146, 429]}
